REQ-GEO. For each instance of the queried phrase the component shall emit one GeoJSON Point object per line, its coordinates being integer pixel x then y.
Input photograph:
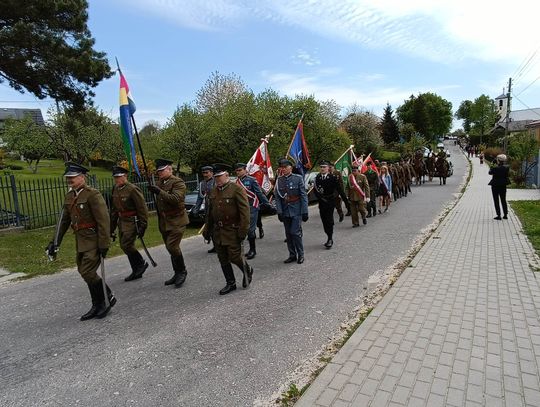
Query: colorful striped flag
{"type": "Point", "coordinates": [127, 108]}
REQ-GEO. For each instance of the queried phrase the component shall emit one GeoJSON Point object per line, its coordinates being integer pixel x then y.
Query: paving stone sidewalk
{"type": "Point", "coordinates": [460, 327]}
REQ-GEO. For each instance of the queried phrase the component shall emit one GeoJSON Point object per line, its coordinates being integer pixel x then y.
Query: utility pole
{"type": "Point", "coordinates": [505, 142]}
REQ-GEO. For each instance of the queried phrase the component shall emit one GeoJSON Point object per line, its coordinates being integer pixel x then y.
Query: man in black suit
{"type": "Point", "coordinates": [326, 189]}
{"type": "Point", "coordinates": [499, 181]}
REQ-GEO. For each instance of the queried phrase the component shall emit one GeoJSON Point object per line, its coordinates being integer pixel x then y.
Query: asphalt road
{"type": "Point", "coordinates": [191, 347]}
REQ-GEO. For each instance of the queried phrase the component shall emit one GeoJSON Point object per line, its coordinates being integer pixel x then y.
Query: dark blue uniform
{"type": "Point", "coordinates": [292, 208]}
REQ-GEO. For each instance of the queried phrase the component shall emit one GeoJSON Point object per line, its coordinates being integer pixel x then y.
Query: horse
{"type": "Point", "coordinates": [442, 169]}
{"type": "Point", "coordinates": [419, 169]}
{"type": "Point", "coordinates": [430, 165]}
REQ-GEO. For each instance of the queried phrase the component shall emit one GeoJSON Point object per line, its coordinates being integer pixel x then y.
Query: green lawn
{"type": "Point", "coordinates": [528, 213]}
{"type": "Point", "coordinates": [46, 169]}
{"type": "Point", "coordinates": [25, 251]}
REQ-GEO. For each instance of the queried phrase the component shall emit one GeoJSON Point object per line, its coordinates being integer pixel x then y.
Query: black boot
{"type": "Point", "coordinates": [261, 232]}
{"type": "Point", "coordinates": [93, 311]}
{"type": "Point", "coordinates": [248, 273]}
{"type": "Point", "coordinates": [180, 272]}
{"type": "Point", "coordinates": [212, 250]}
{"type": "Point", "coordinates": [138, 266]}
{"type": "Point", "coordinates": [329, 242]}
{"type": "Point", "coordinates": [102, 309]}
{"type": "Point", "coordinates": [171, 280]}
{"type": "Point", "coordinates": [229, 279]}
{"type": "Point", "coordinates": [133, 264]}
{"type": "Point", "coordinates": [252, 252]}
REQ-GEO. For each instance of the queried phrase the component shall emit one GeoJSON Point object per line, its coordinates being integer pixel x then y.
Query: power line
{"type": "Point", "coordinates": [524, 104]}
{"type": "Point", "coordinates": [521, 70]}
{"type": "Point", "coordinates": [528, 86]}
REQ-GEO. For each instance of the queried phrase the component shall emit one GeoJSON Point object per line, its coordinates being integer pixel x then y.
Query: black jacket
{"type": "Point", "coordinates": [500, 176]}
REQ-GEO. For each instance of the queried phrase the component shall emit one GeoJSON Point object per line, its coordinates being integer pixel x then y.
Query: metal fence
{"type": "Point", "coordinates": [37, 203]}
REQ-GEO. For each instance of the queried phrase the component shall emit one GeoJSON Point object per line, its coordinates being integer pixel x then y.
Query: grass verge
{"type": "Point", "coordinates": [24, 251]}
{"type": "Point", "coordinates": [528, 213]}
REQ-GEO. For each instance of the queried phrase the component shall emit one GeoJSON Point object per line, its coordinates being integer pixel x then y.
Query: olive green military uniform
{"type": "Point", "coordinates": [130, 214]}
{"type": "Point", "coordinates": [357, 201]}
{"type": "Point", "coordinates": [173, 217]}
{"type": "Point", "coordinates": [86, 212]}
{"type": "Point", "coordinates": [373, 181]}
{"type": "Point", "coordinates": [227, 220]}
{"type": "Point", "coordinates": [173, 220]}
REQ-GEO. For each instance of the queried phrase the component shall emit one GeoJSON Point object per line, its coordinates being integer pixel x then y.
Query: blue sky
{"type": "Point", "coordinates": [352, 51]}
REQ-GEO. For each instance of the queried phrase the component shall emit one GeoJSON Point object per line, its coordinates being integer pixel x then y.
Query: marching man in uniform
{"type": "Point", "coordinates": [227, 223]}
{"type": "Point", "coordinates": [359, 195]}
{"type": "Point", "coordinates": [205, 186]}
{"type": "Point", "coordinates": [170, 201]}
{"type": "Point", "coordinates": [86, 212]}
{"type": "Point", "coordinates": [292, 209]}
{"type": "Point", "coordinates": [326, 189]}
{"type": "Point", "coordinates": [256, 199]}
{"type": "Point", "coordinates": [130, 214]}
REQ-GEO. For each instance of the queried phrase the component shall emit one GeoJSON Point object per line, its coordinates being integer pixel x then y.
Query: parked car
{"type": "Point", "coordinates": [196, 218]}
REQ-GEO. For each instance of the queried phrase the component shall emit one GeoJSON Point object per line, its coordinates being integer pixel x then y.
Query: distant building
{"type": "Point", "coordinates": [518, 120]}
{"type": "Point", "coordinates": [15, 113]}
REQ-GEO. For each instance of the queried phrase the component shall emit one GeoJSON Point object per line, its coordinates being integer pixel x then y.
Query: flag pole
{"type": "Point", "coordinates": [345, 152]}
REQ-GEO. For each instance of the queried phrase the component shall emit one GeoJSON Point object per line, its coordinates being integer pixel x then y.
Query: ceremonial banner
{"type": "Point", "coordinates": [366, 164]}
{"type": "Point", "coordinates": [260, 167]}
{"type": "Point", "coordinates": [344, 164]}
{"type": "Point", "coordinates": [298, 151]}
{"type": "Point", "coordinates": [127, 108]}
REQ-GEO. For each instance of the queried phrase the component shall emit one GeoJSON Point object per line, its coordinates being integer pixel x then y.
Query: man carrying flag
{"type": "Point", "coordinates": [358, 191]}
{"type": "Point", "coordinates": [298, 151]}
{"type": "Point", "coordinates": [259, 167]}
{"type": "Point", "coordinates": [256, 198]}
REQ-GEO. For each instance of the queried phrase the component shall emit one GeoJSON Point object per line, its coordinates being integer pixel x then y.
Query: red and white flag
{"type": "Point", "coordinates": [260, 167]}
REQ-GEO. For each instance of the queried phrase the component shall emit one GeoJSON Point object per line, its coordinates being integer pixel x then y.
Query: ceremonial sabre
{"type": "Point", "coordinates": [154, 264]}
{"type": "Point", "coordinates": [103, 283]}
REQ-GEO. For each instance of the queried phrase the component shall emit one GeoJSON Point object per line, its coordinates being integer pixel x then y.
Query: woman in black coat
{"type": "Point", "coordinates": [499, 181]}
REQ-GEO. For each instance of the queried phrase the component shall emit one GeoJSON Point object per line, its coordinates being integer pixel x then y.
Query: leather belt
{"type": "Point", "coordinates": [127, 214]}
{"type": "Point", "coordinates": [173, 212]}
{"type": "Point", "coordinates": [292, 199]}
{"type": "Point", "coordinates": [221, 224]}
{"type": "Point", "coordinates": [80, 226]}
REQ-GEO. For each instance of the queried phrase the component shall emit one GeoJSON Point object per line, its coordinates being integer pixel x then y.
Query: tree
{"type": "Point", "coordinates": [430, 114]}
{"type": "Point", "coordinates": [364, 129]}
{"type": "Point", "coordinates": [46, 49]}
{"type": "Point", "coordinates": [483, 115]}
{"type": "Point", "coordinates": [464, 113]}
{"type": "Point", "coordinates": [180, 139]}
{"type": "Point", "coordinates": [27, 139]}
{"type": "Point", "coordinates": [80, 135]}
{"type": "Point", "coordinates": [389, 126]}
{"type": "Point", "coordinates": [523, 150]}
{"type": "Point", "coordinates": [218, 91]}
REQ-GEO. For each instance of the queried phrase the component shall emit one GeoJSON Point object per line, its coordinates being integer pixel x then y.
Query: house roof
{"type": "Point", "coordinates": [16, 113]}
{"type": "Point", "coordinates": [502, 96]}
{"type": "Point", "coordinates": [525, 114]}
{"type": "Point", "coordinates": [534, 124]}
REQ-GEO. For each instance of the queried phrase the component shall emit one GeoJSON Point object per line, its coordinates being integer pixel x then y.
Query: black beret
{"type": "Point", "coordinates": [239, 165]}
{"type": "Point", "coordinates": [324, 162]}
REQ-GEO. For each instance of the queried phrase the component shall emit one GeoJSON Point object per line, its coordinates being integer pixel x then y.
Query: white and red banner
{"type": "Point", "coordinates": [260, 167]}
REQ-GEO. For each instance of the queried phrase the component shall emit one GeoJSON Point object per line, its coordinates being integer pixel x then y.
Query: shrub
{"type": "Point", "coordinates": [15, 167]}
{"type": "Point", "coordinates": [491, 153]}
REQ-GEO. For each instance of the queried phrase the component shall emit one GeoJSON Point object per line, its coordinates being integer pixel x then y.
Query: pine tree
{"type": "Point", "coordinates": [389, 126]}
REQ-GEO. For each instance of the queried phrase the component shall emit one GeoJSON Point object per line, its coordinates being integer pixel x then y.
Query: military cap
{"type": "Point", "coordinates": [324, 162]}
{"type": "Point", "coordinates": [207, 168]}
{"type": "Point", "coordinates": [161, 164]}
{"type": "Point", "coordinates": [221, 169]}
{"type": "Point", "coordinates": [284, 162]}
{"type": "Point", "coordinates": [118, 171]}
{"type": "Point", "coordinates": [239, 165]}
{"type": "Point", "coordinates": [73, 169]}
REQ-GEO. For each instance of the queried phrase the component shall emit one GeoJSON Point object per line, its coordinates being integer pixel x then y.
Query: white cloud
{"type": "Point", "coordinates": [344, 92]}
{"type": "Point", "coordinates": [442, 30]}
{"type": "Point", "coordinates": [306, 58]}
